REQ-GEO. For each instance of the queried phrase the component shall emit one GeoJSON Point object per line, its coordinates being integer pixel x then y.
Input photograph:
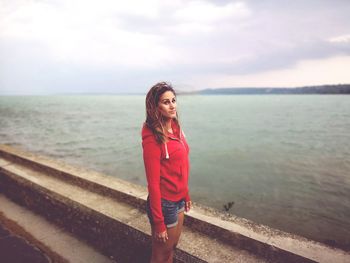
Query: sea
{"type": "Point", "coordinates": [281, 160]}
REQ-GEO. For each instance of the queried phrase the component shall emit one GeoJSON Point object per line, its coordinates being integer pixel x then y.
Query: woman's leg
{"type": "Point", "coordinates": [162, 252]}
{"type": "Point", "coordinates": [178, 232]}
{"type": "Point", "coordinates": [179, 227]}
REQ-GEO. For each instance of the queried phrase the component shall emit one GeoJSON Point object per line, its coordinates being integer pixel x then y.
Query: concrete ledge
{"type": "Point", "coordinates": [93, 181]}
{"type": "Point", "coordinates": [59, 245]}
{"type": "Point", "coordinates": [109, 213]}
{"type": "Point", "coordinates": [15, 248]}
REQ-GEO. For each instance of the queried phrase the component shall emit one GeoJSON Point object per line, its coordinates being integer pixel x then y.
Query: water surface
{"type": "Point", "coordinates": [284, 160]}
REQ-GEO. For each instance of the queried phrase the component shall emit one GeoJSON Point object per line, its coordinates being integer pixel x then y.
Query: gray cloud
{"type": "Point", "coordinates": [260, 36]}
{"type": "Point", "coordinates": [277, 36]}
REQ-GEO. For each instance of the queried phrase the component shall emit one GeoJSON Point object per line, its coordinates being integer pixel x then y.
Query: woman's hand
{"type": "Point", "coordinates": [188, 206]}
{"type": "Point", "coordinates": [161, 237]}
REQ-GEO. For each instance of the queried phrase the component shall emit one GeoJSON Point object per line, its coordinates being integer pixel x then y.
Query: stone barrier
{"type": "Point", "coordinates": [109, 214]}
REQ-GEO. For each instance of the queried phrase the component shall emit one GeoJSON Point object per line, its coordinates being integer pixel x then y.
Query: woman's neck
{"type": "Point", "coordinates": [167, 124]}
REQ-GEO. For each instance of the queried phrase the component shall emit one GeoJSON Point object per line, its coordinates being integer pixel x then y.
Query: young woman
{"type": "Point", "coordinates": [165, 155]}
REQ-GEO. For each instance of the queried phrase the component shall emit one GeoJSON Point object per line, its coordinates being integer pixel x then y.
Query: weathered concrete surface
{"type": "Point", "coordinates": [15, 249]}
{"type": "Point", "coordinates": [109, 214]}
{"type": "Point", "coordinates": [58, 244]}
{"type": "Point", "coordinates": [115, 227]}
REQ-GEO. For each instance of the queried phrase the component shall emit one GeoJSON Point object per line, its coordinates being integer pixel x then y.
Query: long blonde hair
{"type": "Point", "coordinates": [154, 119]}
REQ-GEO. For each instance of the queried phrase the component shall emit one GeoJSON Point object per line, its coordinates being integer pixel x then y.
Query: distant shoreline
{"type": "Point", "coordinates": [340, 89]}
{"type": "Point", "coordinates": [323, 89]}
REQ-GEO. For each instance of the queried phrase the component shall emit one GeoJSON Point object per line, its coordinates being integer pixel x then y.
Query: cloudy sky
{"type": "Point", "coordinates": [72, 46]}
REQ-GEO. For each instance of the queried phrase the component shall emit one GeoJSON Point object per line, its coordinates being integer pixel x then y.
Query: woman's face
{"type": "Point", "coordinates": [167, 104]}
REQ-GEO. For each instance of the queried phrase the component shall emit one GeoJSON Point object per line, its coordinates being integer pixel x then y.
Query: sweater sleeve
{"type": "Point", "coordinates": [151, 158]}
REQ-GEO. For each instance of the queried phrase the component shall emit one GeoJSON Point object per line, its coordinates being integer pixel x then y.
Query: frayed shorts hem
{"type": "Point", "coordinates": [175, 224]}
{"type": "Point", "coordinates": [170, 211]}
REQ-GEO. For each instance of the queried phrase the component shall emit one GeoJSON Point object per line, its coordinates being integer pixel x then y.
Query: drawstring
{"type": "Point", "coordinates": [182, 132]}
{"type": "Point", "coordinates": [166, 147]}
{"type": "Point", "coordinates": [166, 151]}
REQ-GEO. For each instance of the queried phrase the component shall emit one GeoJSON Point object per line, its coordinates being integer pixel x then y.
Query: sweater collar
{"type": "Point", "coordinates": [176, 131]}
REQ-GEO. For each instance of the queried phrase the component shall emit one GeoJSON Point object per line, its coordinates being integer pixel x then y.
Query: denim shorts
{"type": "Point", "coordinates": [170, 210]}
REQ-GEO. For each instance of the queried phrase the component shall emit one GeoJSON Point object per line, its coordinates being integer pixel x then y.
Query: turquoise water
{"type": "Point", "coordinates": [284, 160]}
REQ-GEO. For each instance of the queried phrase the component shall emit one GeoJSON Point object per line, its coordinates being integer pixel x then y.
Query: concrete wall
{"type": "Point", "coordinates": [110, 214]}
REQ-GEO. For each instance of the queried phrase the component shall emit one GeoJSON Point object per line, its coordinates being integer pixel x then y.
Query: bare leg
{"type": "Point", "coordinates": [178, 233]}
{"type": "Point", "coordinates": [161, 252]}
{"type": "Point", "coordinates": [164, 252]}
{"type": "Point", "coordinates": [179, 227]}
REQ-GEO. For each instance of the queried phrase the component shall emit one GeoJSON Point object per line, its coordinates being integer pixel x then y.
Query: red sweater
{"type": "Point", "coordinates": [167, 170]}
